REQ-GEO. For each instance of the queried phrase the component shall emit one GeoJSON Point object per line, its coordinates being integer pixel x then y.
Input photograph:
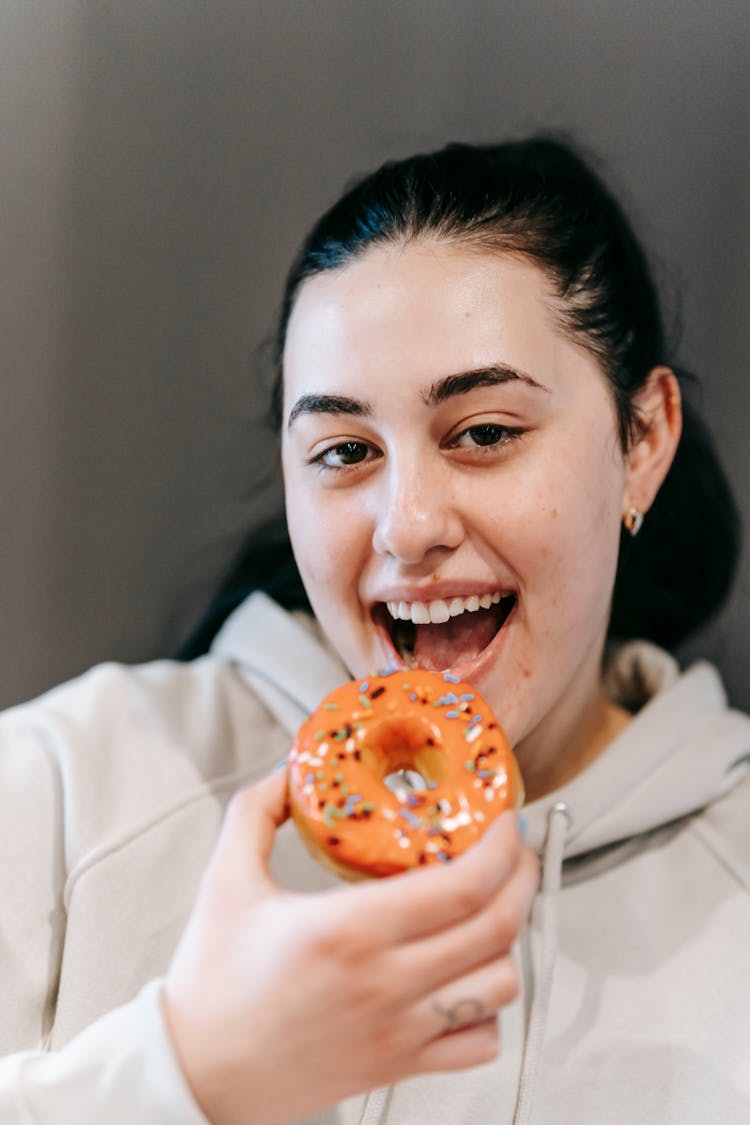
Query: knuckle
{"type": "Point", "coordinates": [470, 895]}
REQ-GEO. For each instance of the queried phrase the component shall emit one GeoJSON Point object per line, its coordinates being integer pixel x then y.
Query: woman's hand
{"type": "Point", "coordinates": [280, 1004]}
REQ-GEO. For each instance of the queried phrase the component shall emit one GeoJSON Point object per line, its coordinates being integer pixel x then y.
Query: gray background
{"type": "Point", "coordinates": [160, 161]}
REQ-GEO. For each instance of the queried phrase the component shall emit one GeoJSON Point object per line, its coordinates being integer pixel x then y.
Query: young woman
{"type": "Point", "coordinates": [475, 398]}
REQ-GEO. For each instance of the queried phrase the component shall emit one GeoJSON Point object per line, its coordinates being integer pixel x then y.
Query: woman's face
{"type": "Point", "coordinates": [451, 460]}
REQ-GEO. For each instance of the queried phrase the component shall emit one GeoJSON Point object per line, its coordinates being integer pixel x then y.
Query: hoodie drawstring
{"type": "Point", "coordinates": [375, 1104]}
{"type": "Point", "coordinates": [559, 820]}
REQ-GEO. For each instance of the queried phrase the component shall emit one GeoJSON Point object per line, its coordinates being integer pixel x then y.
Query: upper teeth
{"type": "Point", "coordinates": [435, 613]}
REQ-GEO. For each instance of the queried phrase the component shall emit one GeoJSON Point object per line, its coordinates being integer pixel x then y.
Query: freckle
{"type": "Point", "coordinates": [554, 513]}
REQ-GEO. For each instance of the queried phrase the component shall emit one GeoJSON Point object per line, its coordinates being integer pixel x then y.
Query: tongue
{"type": "Point", "coordinates": [457, 641]}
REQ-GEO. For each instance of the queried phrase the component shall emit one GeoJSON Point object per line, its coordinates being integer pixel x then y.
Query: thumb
{"type": "Point", "coordinates": [247, 836]}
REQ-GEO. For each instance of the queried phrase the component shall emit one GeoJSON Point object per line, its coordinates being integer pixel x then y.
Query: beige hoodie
{"type": "Point", "coordinates": [112, 791]}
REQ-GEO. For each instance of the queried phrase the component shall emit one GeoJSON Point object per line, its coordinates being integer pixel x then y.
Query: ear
{"type": "Point", "coordinates": [659, 407]}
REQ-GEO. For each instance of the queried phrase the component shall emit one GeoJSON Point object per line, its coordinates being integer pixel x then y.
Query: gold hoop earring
{"type": "Point", "coordinates": [633, 520]}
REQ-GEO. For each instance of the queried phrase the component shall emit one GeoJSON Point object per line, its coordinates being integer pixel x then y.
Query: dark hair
{"type": "Point", "coordinates": [541, 200]}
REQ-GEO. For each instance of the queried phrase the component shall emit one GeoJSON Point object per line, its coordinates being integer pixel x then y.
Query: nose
{"type": "Point", "coordinates": [415, 515]}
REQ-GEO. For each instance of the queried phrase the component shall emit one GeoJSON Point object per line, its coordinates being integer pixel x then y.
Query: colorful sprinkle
{"type": "Point", "coordinates": [365, 686]}
{"type": "Point", "coordinates": [450, 678]}
{"type": "Point", "coordinates": [470, 766]}
{"type": "Point", "coordinates": [452, 714]}
{"type": "Point", "coordinates": [330, 706]}
{"type": "Point", "coordinates": [468, 697]}
{"type": "Point", "coordinates": [412, 819]}
{"type": "Point", "coordinates": [364, 701]}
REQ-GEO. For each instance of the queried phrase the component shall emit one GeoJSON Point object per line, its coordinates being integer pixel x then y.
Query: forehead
{"type": "Point", "coordinates": [422, 310]}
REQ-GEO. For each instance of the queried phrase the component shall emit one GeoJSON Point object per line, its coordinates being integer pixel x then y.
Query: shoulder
{"type": "Point", "coordinates": [726, 825]}
{"type": "Point", "coordinates": [123, 745]}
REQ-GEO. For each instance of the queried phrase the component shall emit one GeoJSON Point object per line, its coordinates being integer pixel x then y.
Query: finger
{"type": "Point", "coordinates": [430, 962]}
{"type": "Point", "coordinates": [246, 840]}
{"type": "Point", "coordinates": [459, 1050]}
{"type": "Point", "coordinates": [427, 900]}
{"type": "Point", "coordinates": [472, 999]}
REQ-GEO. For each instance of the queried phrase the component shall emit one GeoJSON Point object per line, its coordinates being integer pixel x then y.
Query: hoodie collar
{"type": "Point", "coordinates": [682, 751]}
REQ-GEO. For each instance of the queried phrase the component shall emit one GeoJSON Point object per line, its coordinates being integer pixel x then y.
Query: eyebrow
{"type": "Point", "coordinates": [438, 392]}
{"type": "Point", "coordinates": [329, 404]}
{"type": "Point", "coordinates": [494, 375]}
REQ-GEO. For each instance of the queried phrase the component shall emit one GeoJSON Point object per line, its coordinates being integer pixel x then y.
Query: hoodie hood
{"type": "Point", "coordinates": [683, 749]}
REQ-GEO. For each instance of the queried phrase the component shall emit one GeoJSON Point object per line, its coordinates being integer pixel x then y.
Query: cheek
{"type": "Point", "coordinates": [567, 524]}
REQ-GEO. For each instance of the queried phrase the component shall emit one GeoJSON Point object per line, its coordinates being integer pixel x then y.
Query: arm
{"type": "Point", "coordinates": [121, 1069]}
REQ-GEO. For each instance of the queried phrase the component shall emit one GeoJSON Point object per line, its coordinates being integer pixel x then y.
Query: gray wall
{"type": "Point", "coordinates": [160, 161]}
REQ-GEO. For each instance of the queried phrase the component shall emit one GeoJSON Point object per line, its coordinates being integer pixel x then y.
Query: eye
{"type": "Point", "coordinates": [343, 455]}
{"type": "Point", "coordinates": [484, 435]}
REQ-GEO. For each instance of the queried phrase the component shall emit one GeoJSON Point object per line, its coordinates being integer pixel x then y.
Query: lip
{"type": "Point", "coordinates": [472, 671]}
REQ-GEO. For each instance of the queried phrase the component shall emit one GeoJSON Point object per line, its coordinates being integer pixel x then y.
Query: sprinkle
{"type": "Point", "coordinates": [330, 706]}
{"type": "Point", "coordinates": [443, 857]}
{"type": "Point", "coordinates": [432, 785]}
{"type": "Point", "coordinates": [377, 693]}
{"type": "Point", "coordinates": [365, 686]}
{"type": "Point", "coordinates": [472, 733]}
{"type": "Point", "coordinates": [319, 735]}
{"type": "Point", "coordinates": [450, 678]}
{"type": "Point", "coordinates": [486, 773]}
{"type": "Point", "coordinates": [387, 671]}
{"type": "Point", "coordinates": [413, 697]}
{"type": "Point", "coordinates": [451, 714]}
{"type": "Point", "coordinates": [365, 702]}
{"type": "Point", "coordinates": [309, 778]}
{"type": "Point", "coordinates": [330, 812]}
{"type": "Point", "coordinates": [406, 687]}
{"type": "Point", "coordinates": [340, 735]}
{"type": "Point", "coordinates": [368, 807]}
{"type": "Point", "coordinates": [468, 697]}
{"type": "Point", "coordinates": [409, 816]}
{"type": "Point", "coordinates": [412, 800]}
{"type": "Point", "coordinates": [469, 765]}
{"type": "Point", "coordinates": [339, 777]}
{"type": "Point", "coordinates": [321, 774]}
{"type": "Point", "coordinates": [449, 698]}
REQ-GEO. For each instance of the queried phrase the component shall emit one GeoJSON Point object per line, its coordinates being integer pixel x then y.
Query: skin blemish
{"type": "Point", "coordinates": [554, 513]}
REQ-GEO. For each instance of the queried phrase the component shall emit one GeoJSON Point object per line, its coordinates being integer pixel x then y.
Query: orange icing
{"type": "Point", "coordinates": [371, 728]}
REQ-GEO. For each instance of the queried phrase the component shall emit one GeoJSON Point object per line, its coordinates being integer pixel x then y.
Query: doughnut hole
{"type": "Point", "coordinates": [406, 743]}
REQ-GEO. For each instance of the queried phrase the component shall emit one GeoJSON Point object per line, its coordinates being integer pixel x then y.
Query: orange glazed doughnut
{"type": "Point", "coordinates": [369, 730]}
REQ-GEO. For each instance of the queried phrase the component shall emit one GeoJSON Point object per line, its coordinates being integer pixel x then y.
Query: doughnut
{"type": "Point", "coordinates": [399, 770]}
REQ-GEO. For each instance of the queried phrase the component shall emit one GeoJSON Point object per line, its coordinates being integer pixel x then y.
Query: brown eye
{"type": "Point", "coordinates": [347, 453]}
{"type": "Point", "coordinates": [487, 434]}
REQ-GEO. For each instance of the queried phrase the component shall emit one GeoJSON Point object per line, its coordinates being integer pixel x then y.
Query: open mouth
{"type": "Point", "coordinates": [447, 633]}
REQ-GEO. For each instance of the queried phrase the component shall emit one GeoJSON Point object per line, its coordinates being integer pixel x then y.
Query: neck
{"type": "Point", "coordinates": [568, 740]}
